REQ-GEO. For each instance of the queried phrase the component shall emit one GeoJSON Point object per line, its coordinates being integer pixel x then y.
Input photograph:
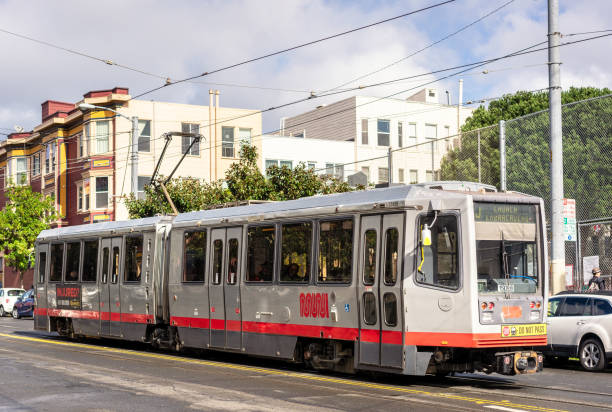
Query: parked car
{"type": "Point", "coordinates": [24, 305]}
{"type": "Point", "coordinates": [580, 325]}
{"type": "Point", "coordinates": [8, 296]}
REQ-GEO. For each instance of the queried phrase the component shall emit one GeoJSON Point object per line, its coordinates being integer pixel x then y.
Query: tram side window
{"type": "Point", "coordinates": [296, 250]}
{"type": "Point", "coordinates": [133, 259]}
{"type": "Point", "coordinates": [57, 260]}
{"type": "Point", "coordinates": [194, 256]}
{"type": "Point", "coordinates": [232, 261]}
{"type": "Point", "coordinates": [335, 251]}
{"type": "Point", "coordinates": [115, 275]}
{"type": "Point", "coordinates": [105, 256]}
{"type": "Point", "coordinates": [391, 255]}
{"type": "Point", "coordinates": [73, 257]}
{"type": "Point", "coordinates": [260, 253]}
{"type": "Point", "coordinates": [42, 265]}
{"type": "Point", "coordinates": [369, 308]}
{"type": "Point", "coordinates": [90, 261]}
{"type": "Point", "coordinates": [390, 307]}
{"type": "Point", "coordinates": [217, 261]}
{"type": "Point", "coordinates": [369, 257]}
{"type": "Point", "coordinates": [437, 264]}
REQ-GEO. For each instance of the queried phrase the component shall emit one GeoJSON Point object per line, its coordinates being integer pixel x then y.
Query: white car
{"type": "Point", "coordinates": [8, 296]}
{"type": "Point", "coordinates": [581, 325]}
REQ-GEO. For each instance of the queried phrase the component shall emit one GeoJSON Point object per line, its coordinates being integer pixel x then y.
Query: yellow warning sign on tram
{"type": "Point", "coordinates": [513, 331]}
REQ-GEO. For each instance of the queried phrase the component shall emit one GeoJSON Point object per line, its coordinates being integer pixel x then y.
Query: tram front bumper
{"type": "Point", "coordinates": [519, 362]}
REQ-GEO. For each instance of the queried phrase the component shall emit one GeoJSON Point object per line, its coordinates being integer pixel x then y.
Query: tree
{"type": "Point", "coordinates": [244, 181]}
{"type": "Point", "coordinates": [26, 214]}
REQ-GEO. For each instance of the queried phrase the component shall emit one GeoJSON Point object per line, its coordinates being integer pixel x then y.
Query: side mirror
{"type": "Point", "coordinates": [426, 236]}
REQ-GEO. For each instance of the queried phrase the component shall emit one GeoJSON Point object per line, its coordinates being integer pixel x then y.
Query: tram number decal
{"type": "Point", "coordinates": [314, 305]}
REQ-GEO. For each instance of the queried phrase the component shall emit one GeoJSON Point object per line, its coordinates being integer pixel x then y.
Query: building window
{"type": "Point", "coordinates": [431, 131]}
{"type": "Point", "coordinates": [286, 163]}
{"type": "Point", "coordinates": [36, 164]}
{"type": "Point", "coordinates": [400, 175]}
{"type": "Point", "coordinates": [383, 127]}
{"type": "Point", "coordinates": [270, 163]}
{"type": "Point", "coordinates": [334, 169]}
{"type": "Point", "coordinates": [21, 177]}
{"type": "Point", "coordinates": [186, 140]}
{"type": "Point", "coordinates": [400, 134]}
{"type": "Point", "coordinates": [101, 192]}
{"type": "Point", "coordinates": [144, 135]}
{"type": "Point", "coordinates": [102, 133]}
{"type": "Point", "coordinates": [81, 141]}
{"type": "Point", "coordinates": [244, 136]}
{"type": "Point", "coordinates": [312, 165]}
{"type": "Point", "coordinates": [412, 133]}
{"type": "Point", "coordinates": [47, 158]}
{"type": "Point", "coordinates": [364, 131]}
{"type": "Point", "coordinates": [80, 197]}
{"type": "Point", "coordinates": [414, 176]}
{"type": "Point", "coordinates": [429, 176]}
{"type": "Point", "coordinates": [83, 195]}
{"type": "Point", "coordinates": [85, 139]}
{"type": "Point", "coordinates": [227, 142]}
{"type": "Point", "coordinates": [447, 131]}
{"type": "Point", "coordinates": [366, 171]}
{"type": "Point", "coordinates": [383, 174]}
{"type": "Point", "coordinates": [142, 182]}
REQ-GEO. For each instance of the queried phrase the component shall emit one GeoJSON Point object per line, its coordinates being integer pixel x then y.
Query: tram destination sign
{"type": "Point", "coordinates": [504, 212]}
{"type": "Point", "coordinates": [68, 296]}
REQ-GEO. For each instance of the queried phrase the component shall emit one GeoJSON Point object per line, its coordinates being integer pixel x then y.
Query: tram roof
{"type": "Point", "coordinates": [103, 228]}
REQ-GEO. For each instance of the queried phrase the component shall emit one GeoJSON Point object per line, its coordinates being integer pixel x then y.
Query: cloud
{"type": "Point", "coordinates": [180, 39]}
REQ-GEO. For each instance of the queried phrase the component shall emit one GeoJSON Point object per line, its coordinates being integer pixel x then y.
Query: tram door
{"type": "Point", "coordinates": [40, 321]}
{"type": "Point", "coordinates": [109, 278]}
{"type": "Point", "coordinates": [224, 293]}
{"type": "Point", "coordinates": [380, 267]}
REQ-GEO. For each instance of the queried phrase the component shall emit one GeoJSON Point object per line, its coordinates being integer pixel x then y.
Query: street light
{"type": "Point", "coordinates": [135, 135]}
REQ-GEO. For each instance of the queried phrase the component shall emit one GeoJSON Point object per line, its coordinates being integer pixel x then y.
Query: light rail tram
{"type": "Point", "coordinates": [407, 279]}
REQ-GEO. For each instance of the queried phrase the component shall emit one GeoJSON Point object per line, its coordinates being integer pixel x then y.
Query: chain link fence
{"type": "Point", "coordinates": [587, 173]}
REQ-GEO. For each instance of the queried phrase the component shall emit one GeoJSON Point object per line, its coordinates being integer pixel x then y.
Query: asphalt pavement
{"type": "Point", "coordinates": [42, 372]}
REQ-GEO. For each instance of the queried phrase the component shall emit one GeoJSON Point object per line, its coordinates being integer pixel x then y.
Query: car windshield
{"type": "Point", "coordinates": [506, 248]}
{"type": "Point", "coordinates": [15, 292]}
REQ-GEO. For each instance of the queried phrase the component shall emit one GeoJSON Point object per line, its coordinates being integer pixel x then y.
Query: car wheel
{"type": "Point", "coordinates": [2, 312]}
{"type": "Point", "coordinates": [592, 355]}
{"type": "Point", "coordinates": [15, 313]}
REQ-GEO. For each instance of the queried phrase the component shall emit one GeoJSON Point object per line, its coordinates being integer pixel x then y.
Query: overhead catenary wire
{"type": "Point", "coordinates": [430, 45]}
{"type": "Point", "coordinates": [477, 64]}
{"type": "Point", "coordinates": [288, 49]}
{"type": "Point", "coordinates": [470, 66]}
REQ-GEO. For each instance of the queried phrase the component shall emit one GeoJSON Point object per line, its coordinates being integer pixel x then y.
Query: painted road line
{"type": "Point", "coordinates": [297, 375]}
{"type": "Point", "coordinates": [503, 408]}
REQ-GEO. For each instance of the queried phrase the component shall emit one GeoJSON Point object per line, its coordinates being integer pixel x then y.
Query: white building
{"type": "Point", "coordinates": [375, 125]}
{"type": "Point", "coordinates": [322, 155]}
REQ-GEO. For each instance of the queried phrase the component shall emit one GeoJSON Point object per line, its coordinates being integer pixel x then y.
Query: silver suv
{"type": "Point", "coordinates": [581, 325]}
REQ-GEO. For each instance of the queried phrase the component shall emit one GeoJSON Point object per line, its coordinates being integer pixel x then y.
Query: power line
{"type": "Point", "coordinates": [426, 47]}
{"type": "Point", "coordinates": [234, 65]}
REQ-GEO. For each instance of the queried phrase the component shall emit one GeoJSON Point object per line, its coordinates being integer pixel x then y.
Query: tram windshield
{"type": "Point", "coordinates": [507, 249]}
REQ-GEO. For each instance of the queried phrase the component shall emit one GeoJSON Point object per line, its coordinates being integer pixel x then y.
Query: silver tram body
{"type": "Point", "coordinates": [404, 280]}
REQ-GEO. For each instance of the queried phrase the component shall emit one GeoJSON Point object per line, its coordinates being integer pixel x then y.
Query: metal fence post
{"type": "Point", "coordinates": [502, 155]}
{"type": "Point", "coordinates": [479, 173]}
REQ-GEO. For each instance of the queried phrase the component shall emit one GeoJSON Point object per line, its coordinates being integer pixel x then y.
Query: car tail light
{"type": "Point", "coordinates": [491, 305]}
{"type": "Point", "coordinates": [7, 300]}
{"type": "Point", "coordinates": [483, 305]}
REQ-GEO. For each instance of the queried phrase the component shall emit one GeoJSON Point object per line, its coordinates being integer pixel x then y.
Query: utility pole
{"type": "Point", "coordinates": [556, 149]}
{"type": "Point", "coordinates": [135, 136]}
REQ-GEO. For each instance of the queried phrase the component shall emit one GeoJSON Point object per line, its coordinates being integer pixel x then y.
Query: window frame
{"type": "Point", "coordinates": [108, 184]}
{"type": "Point", "coordinates": [400, 134]}
{"type": "Point", "coordinates": [84, 241]}
{"type": "Point", "coordinates": [354, 252]}
{"type": "Point", "coordinates": [379, 133]}
{"type": "Point", "coordinates": [123, 262]}
{"type": "Point", "coordinates": [65, 265]}
{"type": "Point", "coordinates": [435, 126]}
{"type": "Point", "coordinates": [365, 132]}
{"type": "Point", "coordinates": [275, 255]}
{"type": "Point", "coordinates": [142, 144]}
{"type": "Point", "coordinates": [228, 148]}
{"type": "Point", "coordinates": [100, 139]}
{"type": "Point", "coordinates": [196, 146]}
{"type": "Point", "coordinates": [312, 251]}
{"type": "Point", "coordinates": [183, 260]}
{"type": "Point", "coordinates": [460, 275]}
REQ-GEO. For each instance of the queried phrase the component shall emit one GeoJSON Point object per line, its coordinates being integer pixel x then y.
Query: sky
{"type": "Point", "coordinates": [178, 39]}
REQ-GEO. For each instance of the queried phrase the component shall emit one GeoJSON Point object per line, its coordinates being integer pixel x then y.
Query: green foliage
{"type": "Point", "coordinates": [26, 214]}
{"type": "Point", "coordinates": [528, 154]}
{"type": "Point", "coordinates": [244, 182]}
